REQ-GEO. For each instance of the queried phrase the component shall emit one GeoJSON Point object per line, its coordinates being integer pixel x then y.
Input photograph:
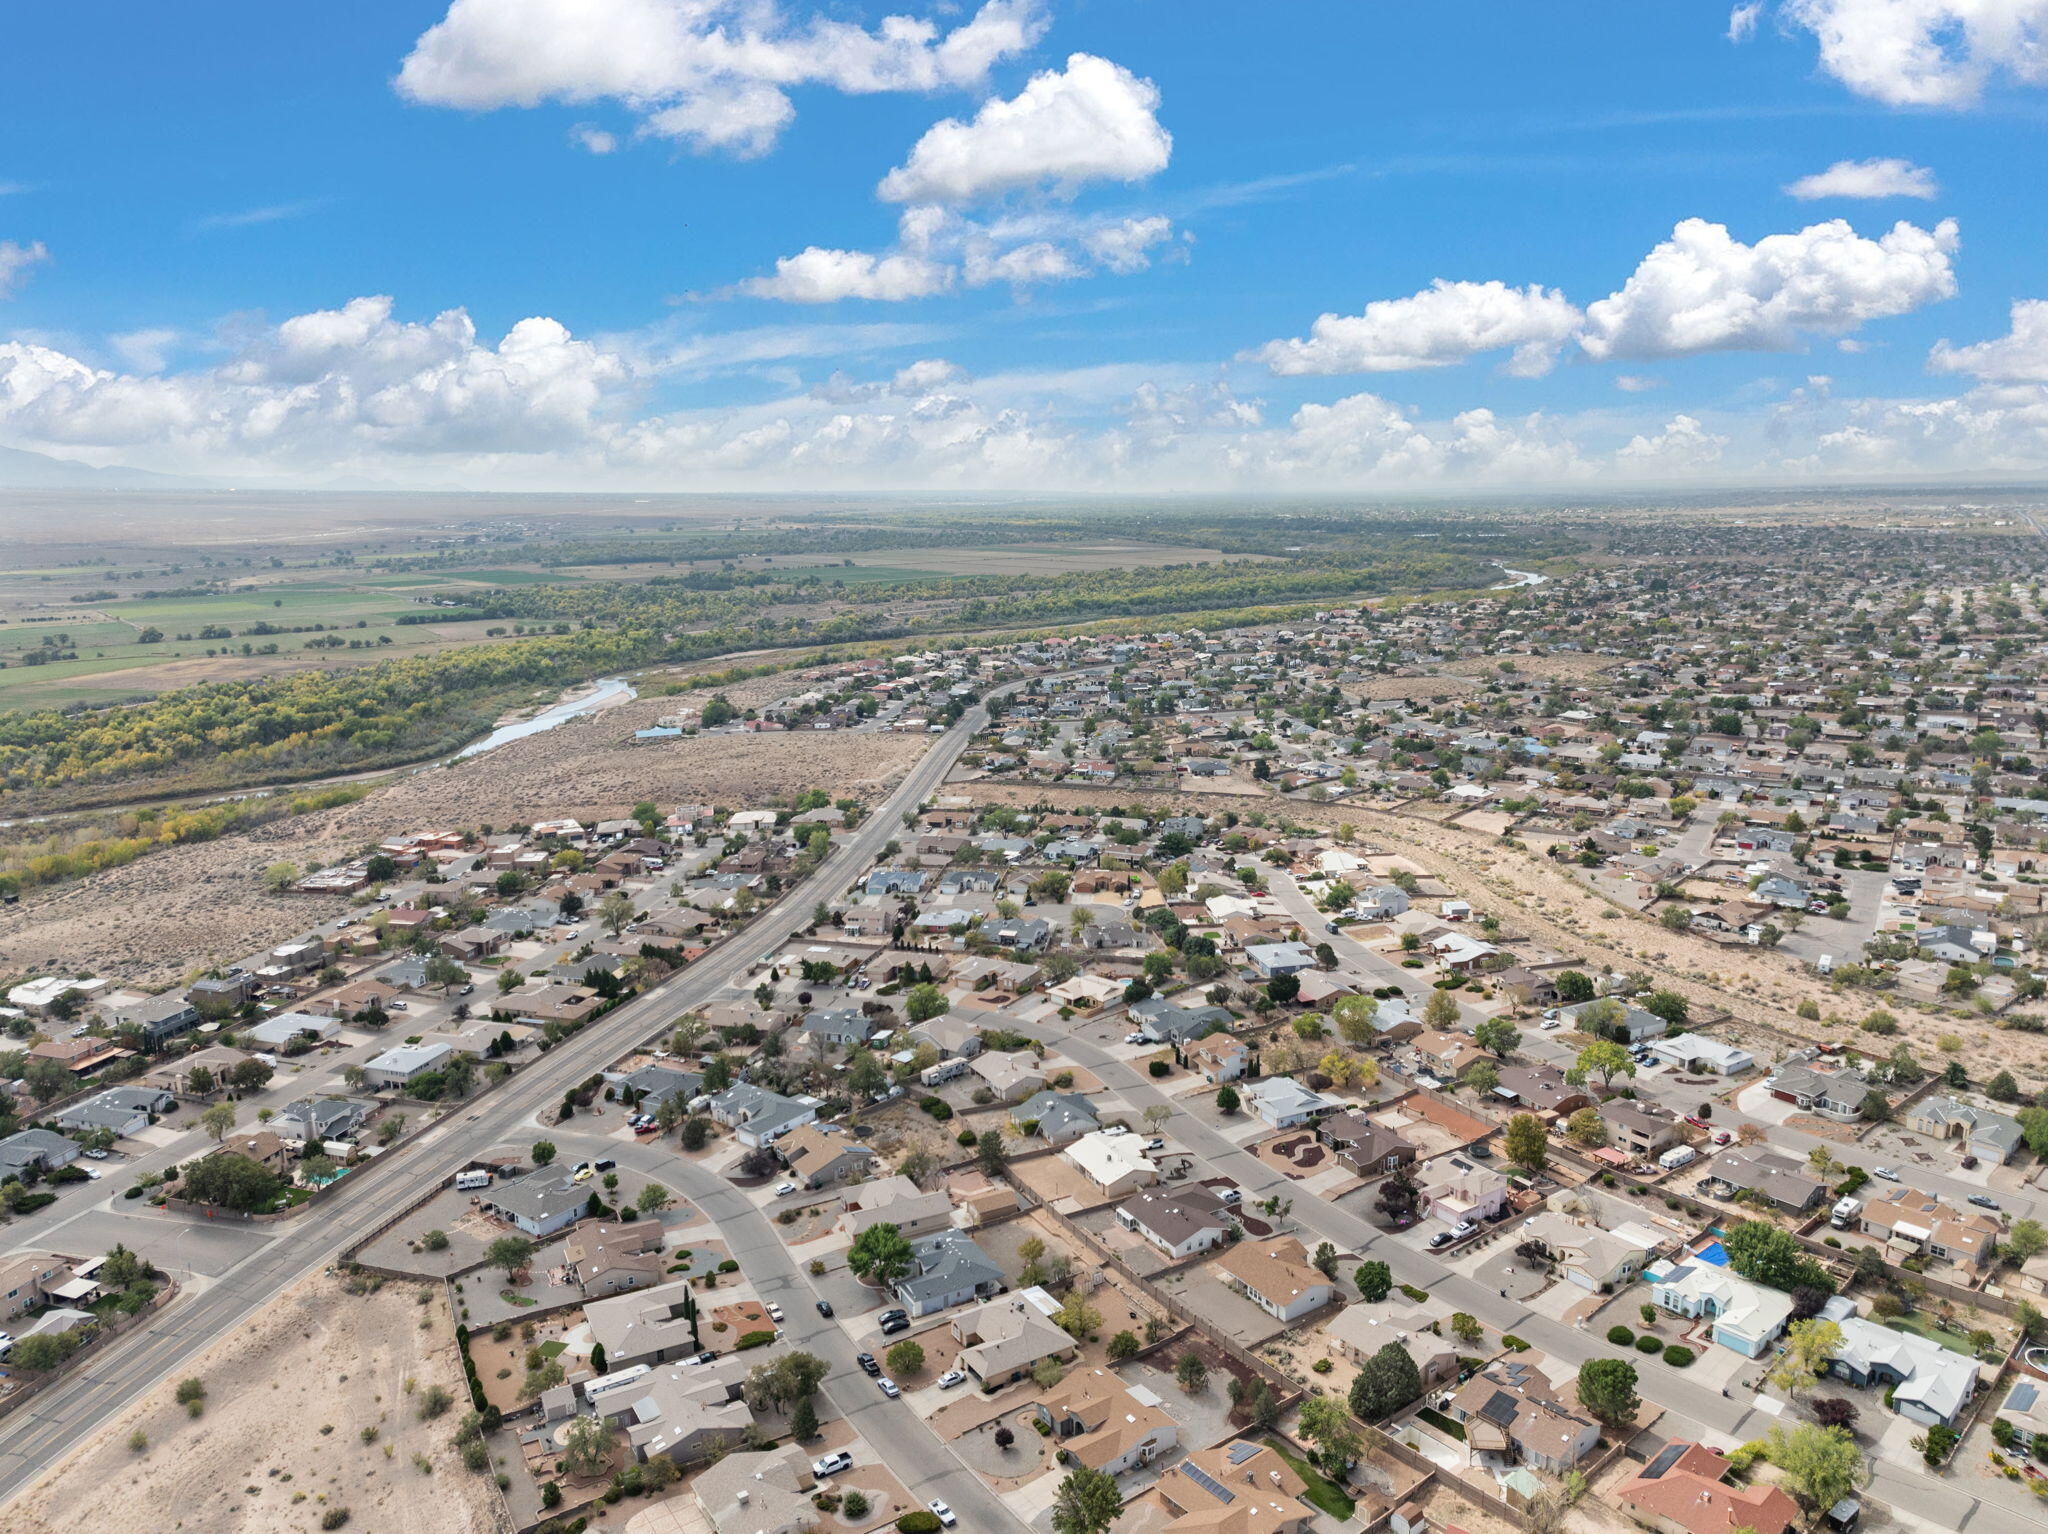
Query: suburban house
{"type": "Point", "coordinates": [1585, 1254]}
{"type": "Point", "coordinates": [947, 1269]}
{"type": "Point", "coordinates": [1985, 1134]}
{"type": "Point", "coordinates": [1219, 1057]}
{"type": "Point", "coordinates": [161, 1018]}
{"type": "Point", "coordinates": [1285, 1103]}
{"type": "Point", "coordinates": [1448, 1055]}
{"type": "Point", "coordinates": [677, 1410]}
{"type": "Point", "coordinates": [2025, 1411]}
{"type": "Point", "coordinates": [1836, 1094]}
{"type": "Point", "coordinates": [1276, 1275]}
{"type": "Point", "coordinates": [764, 1493]}
{"type": "Point", "coordinates": [647, 1327]}
{"type": "Point", "coordinates": [29, 1280]}
{"type": "Point", "coordinates": [40, 1150]}
{"type": "Point", "coordinates": [1929, 1383]}
{"type": "Point", "coordinates": [176, 1075]}
{"type": "Point", "coordinates": [1058, 1117]}
{"type": "Point", "coordinates": [541, 1202]}
{"type": "Point", "coordinates": [1116, 1163]}
{"type": "Point", "coordinates": [1012, 1074]}
{"type": "Point", "coordinates": [1358, 1334]}
{"type": "Point", "coordinates": [1639, 1129]}
{"type": "Point", "coordinates": [1369, 1149]}
{"type": "Point", "coordinates": [263, 1147]}
{"type": "Point", "coordinates": [1179, 1223]}
{"type": "Point", "coordinates": [1914, 1224]}
{"type": "Point", "coordinates": [757, 1116]}
{"type": "Point", "coordinates": [1005, 1339]}
{"type": "Point", "coordinates": [1785, 1180]}
{"type": "Point", "coordinates": [1104, 1424]}
{"type": "Point", "coordinates": [1697, 1053]}
{"type": "Point", "coordinates": [894, 1201]}
{"type": "Point", "coordinates": [1746, 1317]}
{"type": "Point", "coordinates": [818, 1160]}
{"type": "Point", "coordinates": [401, 1067]}
{"type": "Point", "coordinates": [1238, 1487]}
{"type": "Point", "coordinates": [610, 1259]}
{"type": "Point", "coordinates": [1543, 1089]}
{"type": "Point", "coordinates": [1512, 1416]}
{"type": "Point", "coordinates": [1684, 1489]}
{"type": "Point", "coordinates": [1465, 1192]}
{"type": "Point", "coordinates": [320, 1119]}
{"type": "Point", "coordinates": [1271, 959]}
{"type": "Point", "coordinates": [125, 1110]}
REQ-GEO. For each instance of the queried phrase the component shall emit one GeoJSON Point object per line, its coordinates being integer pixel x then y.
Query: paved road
{"type": "Point", "coordinates": [1690, 1410]}
{"type": "Point", "coordinates": [56, 1422]}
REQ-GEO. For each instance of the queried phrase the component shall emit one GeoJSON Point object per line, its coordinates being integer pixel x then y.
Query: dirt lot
{"type": "Point", "coordinates": [287, 1400]}
{"type": "Point", "coordinates": [157, 920]}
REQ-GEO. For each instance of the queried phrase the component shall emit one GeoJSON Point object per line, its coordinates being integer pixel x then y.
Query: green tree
{"type": "Point", "coordinates": [1375, 1280]}
{"type": "Point", "coordinates": [1123, 1345]}
{"type": "Point", "coordinates": [1767, 1255]}
{"type": "Point", "coordinates": [1574, 988]}
{"type": "Point", "coordinates": [615, 910]}
{"type": "Point", "coordinates": [1587, 1128]}
{"type": "Point", "coordinates": [653, 1198]}
{"type": "Point", "coordinates": [1818, 1465]}
{"type": "Point", "coordinates": [542, 1152]}
{"type": "Point", "coordinates": [1191, 1372]}
{"type": "Point", "coordinates": [906, 1357]}
{"type": "Point", "coordinates": [880, 1253]}
{"type": "Point", "coordinates": [803, 1421]}
{"type": "Point", "coordinates": [217, 1120]}
{"type": "Point", "coordinates": [1440, 1011]}
{"type": "Point", "coordinates": [1526, 1143]}
{"type": "Point", "coordinates": [1087, 1502]}
{"type": "Point", "coordinates": [1324, 1423]}
{"type": "Point", "coordinates": [1227, 1100]}
{"type": "Point", "coordinates": [2024, 1241]}
{"type": "Point", "coordinates": [1809, 1344]}
{"type": "Point", "coordinates": [865, 1075]}
{"type": "Point", "coordinates": [509, 1253]}
{"type": "Point", "coordinates": [1498, 1035]}
{"type": "Point", "coordinates": [587, 1447]}
{"type": "Point", "coordinates": [1606, 1059]}
{"type": "Point", "coordinates": [1388, 1382]}
{"type": "Point", "coordinates": [1354, 1017]}
{"type": "Point", "coordinates": [924, 1002]}
{"type": "Point", "coordinates": [230, 1181]}
{"type": "Point", "coordinates": [1607, 1389]}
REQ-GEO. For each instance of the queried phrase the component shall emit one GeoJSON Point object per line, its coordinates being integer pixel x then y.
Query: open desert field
{"type": "Point", "coordinates": [289, 1400]}
{"type": "Point", "coordinates": [156, 920]}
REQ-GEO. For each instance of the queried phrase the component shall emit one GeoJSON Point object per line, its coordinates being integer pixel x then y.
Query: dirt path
{"type": "Point", "coordinates": [281, 1440]}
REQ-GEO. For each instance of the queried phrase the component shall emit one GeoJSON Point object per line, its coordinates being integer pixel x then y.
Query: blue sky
{"type": "Point", "coordinates": [1031, 244]}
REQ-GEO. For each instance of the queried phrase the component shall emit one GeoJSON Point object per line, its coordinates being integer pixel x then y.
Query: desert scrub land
{"type": "Point", "coordinates": [156, 920]}
{"type": "Point", "coordinates": [283, 1438]}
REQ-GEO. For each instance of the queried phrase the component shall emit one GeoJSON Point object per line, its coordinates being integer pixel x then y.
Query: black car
{"type": "Point", "coordinates": [867, 1362]}
{"type": "Point", "coordinates": [824, 1307]}
{"type": "Point", "coordinates": [894, 1321]}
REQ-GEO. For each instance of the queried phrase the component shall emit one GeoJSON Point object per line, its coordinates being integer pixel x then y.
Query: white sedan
{"type": "Point", "coordinates": [943, 1513]}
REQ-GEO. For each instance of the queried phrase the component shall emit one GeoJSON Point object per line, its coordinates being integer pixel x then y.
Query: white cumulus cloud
{"type": "Point", "coordinates": [16, 260]}
{"type": "Point", "coordinates": [1703, 290]}
{"type": "Point", "coordinates": [712, 73]}
{"type": "Point", "coordinates": [1927, 53]}
{"type": "Point", "coordinates": [1682, 446]}
{"type": "Point", "coordinates": [2018, 356]}
{"type": "Point", "coordinates": [1867, 179]}
{"type": "Point", "coordinates": [1445, 323]}
{"type": "Point", "coordinates": [1092, 121]}
{"type": "Point", "coordinates": [588, 136]}
{"type": "Point", "coordinates": [820, 276]}
{"type": "Point", "coordinates": [1742, 21]}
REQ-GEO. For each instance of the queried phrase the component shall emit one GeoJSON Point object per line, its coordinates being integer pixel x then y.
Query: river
{"type": "Point", "coordinates": [601, 694]}
{"type": "Point", "coordinates": [1521, 578]}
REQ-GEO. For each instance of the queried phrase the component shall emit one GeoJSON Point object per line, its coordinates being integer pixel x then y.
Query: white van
{"type": "Point", "coordinates": [468, 1180]}
{"type": "Point", "coordinates": [1677, 1156]}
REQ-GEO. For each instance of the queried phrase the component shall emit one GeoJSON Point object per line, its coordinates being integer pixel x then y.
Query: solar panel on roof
{"type": "Point", "coordinates": [1666, 1457]}
{"type": "Point", "coordinates": [1207, 1482]}
{"type": "Point", "coordinates": [1241, 1451]}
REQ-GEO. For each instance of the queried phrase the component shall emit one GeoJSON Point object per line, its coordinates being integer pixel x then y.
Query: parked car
{"type": "Point", "coordinates": [1440, 1239]}
{"type": "Point", "coordinates": [868, 1365]}
{"type": "Point", "coordinates": [831, 1464]}
{"type": "Point", "coordinates": [1722, 1137]}
{"type": "Point", "coordinates": [96, 1154]}
{"type": "Point", "coordinates": [1889, 1174]}
{"type": "Point", "coordinates": [942, 1512]}
{"type": "Point", "coordinates": [774, 1312]}
{"type": "Point", "coordinates": [1983, 1201]}
{"type": "Point", "coordinates": [583, 1174]}
{"type": "Point", "coordinates": [893, 1321]}
{"type": "Point", "coordinates": [783, 1189]}
{"type": "Point", "coordinates": [1696, 1121]}
{"type": "Point", "coordinates": [951, 1378]}
{"type": "Point", "coordinates": [1463, 1229]}
{"type": "Point", "coordinates": [824, 1307]}
{"type": "Point", "coordinates": [705, 1357]}
{"type": "Point", "coordinates": [1134, 1038]}
{"type": "Point", "coordinates": [1969, 1163]}
{"type": "Point", "coordinates": [888, 1387]}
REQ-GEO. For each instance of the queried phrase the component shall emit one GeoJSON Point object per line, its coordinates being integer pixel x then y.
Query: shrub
{"type": "Point", "coordinates": [1648, 1345]}
{"type": "Point", "coordinates": [1321, 1366]}
{"type": "Point", "coordinates": [1415, 1294]}
{"type": "Point", "coordinates": [334, 1518]}
{"type": "Point", "coordinates": [1677, 1355]}
{"type": "Point", "coordinates": [1513, 1343]}
{"type": "Point", "coordinates": [434, 1402]}
{"type": "Point", "coordinates": [1620, 1336]}
{"type": "Point", "coordinates": [918, 1521]}
{"type": "Point", "coordinates": [753, 1340]}
{"type": "Point", "coordinates": [940, 1110]}
{"type": "Point", "coordinates": [856, 1505]}
{"type": "Point", "coordinates": [192, 1396]}
{"type": "Point", "coordinates": [1160, 1068]}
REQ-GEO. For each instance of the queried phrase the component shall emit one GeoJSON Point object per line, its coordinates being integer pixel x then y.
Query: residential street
{"type": "Point", "coordinates": [59, 1419]}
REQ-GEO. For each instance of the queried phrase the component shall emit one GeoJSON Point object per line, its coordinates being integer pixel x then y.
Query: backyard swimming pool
{"type": "Point", "coordinates": [1713, 1252]}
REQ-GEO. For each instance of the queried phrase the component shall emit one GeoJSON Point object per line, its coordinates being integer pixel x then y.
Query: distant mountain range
{"type": "Point", "coordinates": [23, 470]}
